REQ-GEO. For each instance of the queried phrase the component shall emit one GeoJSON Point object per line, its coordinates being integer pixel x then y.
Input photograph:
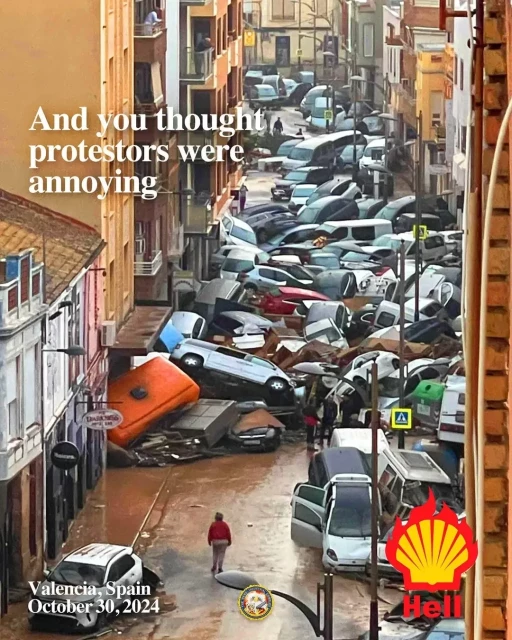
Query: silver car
{"type": "Point", "coordinates": [197, 354]}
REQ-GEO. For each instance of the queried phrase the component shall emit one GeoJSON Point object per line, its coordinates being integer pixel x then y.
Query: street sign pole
{"type": "Point", "coordinates": [401, 284]}
{"type": "Point", "coordinates": [374, 599]}
{"type": "Point", "coordinates": [418, 188]}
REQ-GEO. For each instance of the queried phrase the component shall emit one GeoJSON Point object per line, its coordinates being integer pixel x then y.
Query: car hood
{"type": "Point", "coordinates": [289, 164]}
{"type": "Point", "coordinates": [284, 183]}
{"type": "Point", "coordinates": [349, 548]}
{"type": "Point", "coordinates": [251, 433]}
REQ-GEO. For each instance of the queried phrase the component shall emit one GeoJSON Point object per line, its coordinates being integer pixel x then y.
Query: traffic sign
{"type": "Point", "coordinates": [401, 418]}
{"type": "Point", "coordinates": [328, 114]}
{"type": "Point", "coordinates": [299, 53]}
{"type": "Point", "coordinates": [420, 231]}
{"type": "Point", "coordinates": [249, 38]}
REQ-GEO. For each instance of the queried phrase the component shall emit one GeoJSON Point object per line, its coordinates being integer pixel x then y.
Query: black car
{"type": "Point", "coordinates": [330, 208]}
{"type": "Point", "coordinates": [267, 225]}
{"type": "Point", "coordinates": [337, 284]}
{"type": "Point", "coordinates": [369, 207]}
{"type": "Point", "coordinates": [407, 221]}
{"type": "Point", "coordinates": [283, 188]}
{"type": "Point", "coordinates": [260, 439]}
{"type": "Point", "coordinates": [427, 331]}
{"type": "Point", "coordinates": [428, 204]}
{"type": "Point", "coordinates": [261, 208]}
{"type": "Point", "coordinates": [336, 187]}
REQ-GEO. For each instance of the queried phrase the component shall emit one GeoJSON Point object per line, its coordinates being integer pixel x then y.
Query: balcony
{"type": "Point", "coordinates": [196, 66]}
{"type": "Point", "coordinates": [197, 213]}
{"type": "Point", "coordinates": [150, 267]}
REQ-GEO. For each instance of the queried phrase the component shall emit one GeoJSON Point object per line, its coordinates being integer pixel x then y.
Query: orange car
{"type": "Point", "coordinates": [146, 394]}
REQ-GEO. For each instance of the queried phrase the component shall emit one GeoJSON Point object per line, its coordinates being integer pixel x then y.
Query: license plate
{"type": "Point", "coordinates": [424, 409]}
{"type": "Point", "coordinates": [252, 442]}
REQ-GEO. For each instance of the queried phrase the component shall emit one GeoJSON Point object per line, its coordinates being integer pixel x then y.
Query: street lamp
{"type": "Point", "coordinates": [73, 350]}
{"type": "Point", "coordinates": [377, 170]}
{"type": "Point", "coordinates": [239, 580]}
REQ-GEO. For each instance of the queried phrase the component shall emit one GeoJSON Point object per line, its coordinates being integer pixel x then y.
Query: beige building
{"type": "Point", "coordinates": [63, 58]}
{"type": "Point", "coordinates": [291, 32]}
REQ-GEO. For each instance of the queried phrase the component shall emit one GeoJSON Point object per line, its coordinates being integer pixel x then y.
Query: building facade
{"type": "Point", "coordinates": [85, 61]}
{"type": "Point", "coordinates": [211, 83]}
{"type": "Point", "coordinates": [21, 464]}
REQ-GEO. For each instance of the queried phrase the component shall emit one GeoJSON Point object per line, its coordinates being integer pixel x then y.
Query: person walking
{"type": "Point", "coordinates": [278, 127]}
{"type": "Point", "coordinates": [328, 419]}
{"type": "Point", "coordinates": [219, 539]}
{"type": "Point", "coordinates": [242, 197]}
{"type": "Point", "coordinates": [267, 116]}
{"type": "Point", "coordinates": [311, 421]}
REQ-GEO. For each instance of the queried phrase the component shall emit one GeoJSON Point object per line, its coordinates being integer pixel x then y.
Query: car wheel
{"type": "Point", "coordinates": [262, 236]}
{"type": "Point", "coordinates": [191, 360]}
{"type": "Point", "coordinates": [277, 384]}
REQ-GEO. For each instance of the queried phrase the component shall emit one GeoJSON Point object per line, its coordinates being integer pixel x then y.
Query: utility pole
{"type": "Point", "coordinates": [374, 601]}
{"type": "Point", "coordinates": [328, 607]}
{"type": "Point", "coordinates": [354, 99]}
{"type": "Point", "coordinates": [314, 41]}
{"type": "Point", "coordinates": [418, 189]}
{"type": "Point", "coordinates": [299, 58]}
{"type": "Point", "coordinates": [401, 284]}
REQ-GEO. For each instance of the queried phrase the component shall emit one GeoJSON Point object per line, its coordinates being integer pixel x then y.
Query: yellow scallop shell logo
{"type": "Point", "coordinates": [431, 550]}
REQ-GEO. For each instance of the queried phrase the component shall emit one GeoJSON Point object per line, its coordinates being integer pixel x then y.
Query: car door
{"type": "Point", "coordinates": [308, 515]}
{"type": "Point", "coordinates": [271, 276]}
{"type": "Point", "coordinates": [227, 361]}
{"type": "Point", "coordinates": [122, 573]}
{"type": "Point", "coordinates": [260, 370]}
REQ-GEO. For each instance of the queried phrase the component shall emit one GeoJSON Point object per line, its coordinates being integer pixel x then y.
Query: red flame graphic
{"type": "Point", "coordinates": [420, 514]}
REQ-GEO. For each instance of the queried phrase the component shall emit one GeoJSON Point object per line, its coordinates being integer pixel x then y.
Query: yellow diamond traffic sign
{"type": "Point", "coordinates": [401, 418]}
{"type": "Point", "coordinates": [420, 232]}
{"type": "Point", "coordinates": [328, 115]}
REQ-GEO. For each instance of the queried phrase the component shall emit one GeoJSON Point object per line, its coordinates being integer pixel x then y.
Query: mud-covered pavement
{"type": "Point", "coordinates": [253, 491]}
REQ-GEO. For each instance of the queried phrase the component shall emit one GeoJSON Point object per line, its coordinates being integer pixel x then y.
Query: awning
{"type": "Point", "coordinates": [140, 332]}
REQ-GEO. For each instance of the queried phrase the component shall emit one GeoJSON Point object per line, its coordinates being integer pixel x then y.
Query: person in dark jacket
{"type": "Point", "coordinates": [328, 419]}
{"type": "Point", "coordinates": [219, 539]}
{"type": "Point", "coordinates": [278, 127]}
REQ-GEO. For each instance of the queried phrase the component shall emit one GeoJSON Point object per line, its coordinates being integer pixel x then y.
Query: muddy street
{"type": "Point", "coordinates": [253, 492]}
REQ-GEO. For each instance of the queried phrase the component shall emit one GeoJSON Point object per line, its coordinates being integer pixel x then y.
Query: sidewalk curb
{"type": "Point", "coordinates": [150, 510]}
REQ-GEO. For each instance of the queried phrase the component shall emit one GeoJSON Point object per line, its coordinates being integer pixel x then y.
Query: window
{"type": "Point", "coordinates": [231, 353]}
{"type": "Point", "coordinates": [125, 565]}
{"type": "Point", "coordinates": [462, 75]}
{"type": "Point", "coordinates": [363, 233]}
{"type": "Point", "coordinates": [226, 324]}
{"type": "Point", "coordinates": [431, 310]}
{"type": "Point", "coordinates": [385, 320]}
{"type": "Point", "coordinates": [158, 234]}
{"type": "Point", "coordinates": [76, 573]}
{"type": "Point", "coordinates": [455, 70]}
{"type": "Point", "coordinates": [307, 515]}
{"type": "Point", "coordinates": [13, 384]}
{"type": "Point", "coordinates": [283, 10]}
{"type": "Point", "coordinates": [271, 274]}
{"type": "Point", "coordinates": [368, 40]}
{"type": "Point", "coordinates": [311, 494]}
{"type": "Point", "coordinates": [463, 138]}
{"type": "Point", "coordinates": [30, 370]}
{"type": "Point", "coordinates": [260, 362]}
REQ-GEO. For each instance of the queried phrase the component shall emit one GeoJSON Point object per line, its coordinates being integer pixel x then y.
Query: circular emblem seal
{"type": "Point", "coordinates": [255, 602]}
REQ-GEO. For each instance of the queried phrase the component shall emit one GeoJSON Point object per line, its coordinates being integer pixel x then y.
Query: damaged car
{"type": "Point", "coordinates": [258, 431]}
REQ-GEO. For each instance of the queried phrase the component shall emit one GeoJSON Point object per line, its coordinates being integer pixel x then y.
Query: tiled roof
{"type": "Point", "coordinates": [65, 245]}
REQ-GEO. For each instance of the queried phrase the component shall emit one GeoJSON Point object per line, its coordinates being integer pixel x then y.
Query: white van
{"type": "Point", "coordinates": [451, 423]}
{"type": "Point", "coordinates": [409, 475]}
{"type": "Point", "coordinates": [374, 153]}
{"type": "Point", "coordinates": [359, 438]}
{"type": "Point", "coordinates": [336, 519]}
{"type": "Point", "coordinates": [356, 230]}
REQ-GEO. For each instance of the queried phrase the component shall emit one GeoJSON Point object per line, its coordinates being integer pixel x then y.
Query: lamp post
{"type": "Point", "coordinates": [240, 580]}
{"type": "Point", "coordinates": [74, 350]}
{"type": "Point", "coordinates": [401, 344]}
{"type": "Point", "coordinates": [418, 189]}
{"type": "Point", "coordinates": [374, 575]}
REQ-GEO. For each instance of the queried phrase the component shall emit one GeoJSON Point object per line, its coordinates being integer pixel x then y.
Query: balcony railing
{"type": "Point", "coordinates": [197, 213]}
{"type": "Point", "coordinates": [196, 66]}
{"type": "Point", "coordinates": [148, 30]}
{"type": "Point", "coordinates": [148, 268]}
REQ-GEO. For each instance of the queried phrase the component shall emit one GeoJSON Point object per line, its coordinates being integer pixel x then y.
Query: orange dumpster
{"type": "Point", "coordinates": [146, 394]}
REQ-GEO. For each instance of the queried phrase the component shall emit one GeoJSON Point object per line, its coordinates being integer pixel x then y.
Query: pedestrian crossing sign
{"type": "Point", "coordinates": [249, 38]}
{"type": "Point", "coordinates": [328, 115]}
{"type": "Point", "coordinates": [401, 418]}
{"type": "Point", "coordinates": [299, 53]}
{"type": "Point", "coordinates": [420, 231]}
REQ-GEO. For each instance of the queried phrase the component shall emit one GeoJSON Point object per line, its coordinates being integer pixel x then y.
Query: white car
{"type": "Point", "coordinates": [240, 260]}
{"type": "Point", "coordinates": [300, 195]}
{"type": "Point", "coordinates": [235, 231]}
{"type": "Point", "coordinates": [432, 248]}
{"type": "Point", "coordinates": [190, 325]}
{"type": "Point", "coordinates": [373, 153]}
{"type": "Point", "coordinates": [325, 331]}
{"type": "Point", "coordinates": [359, 370]}
{"type": "Point", "coordinates": [272, 274]}
{"type": "Point", "coordinates": [336, 519]}
{"type": "Point", "coordinates": [96, 565]}
{"type": "Point", "coordinates": [196, 354]}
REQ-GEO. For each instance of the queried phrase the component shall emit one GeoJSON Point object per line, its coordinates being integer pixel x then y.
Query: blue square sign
{"type": "Point", "coordinates": [401, 418]}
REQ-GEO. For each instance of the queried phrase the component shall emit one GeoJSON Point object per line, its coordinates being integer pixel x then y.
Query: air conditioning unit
{"type": "Point", "coordinates": [108, 333]}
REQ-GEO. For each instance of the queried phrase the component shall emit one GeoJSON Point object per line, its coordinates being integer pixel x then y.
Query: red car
{"type": "Point", "coordinates": [286, 300]}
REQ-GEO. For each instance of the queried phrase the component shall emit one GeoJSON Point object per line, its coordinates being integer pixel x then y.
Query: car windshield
{"type": "Point", "coordinates": [389, 212]}
{"type": "Point", "coordinates": [75, 573]}
{"type": "Point", "coordinates": [351, 515]}
{"type": "Point", "coordinates": [391, 242]}
{"type": "Point", "coordinates": [295, 176]}
{"type": "Point", "coordinates": [374, 124]}
{"type": "Point", "coordinates": [329, 262]}
{"type": "Point", "coordinates": [355, 256]}
{"type": "Point", "coordinates": [247, 235]}
{"type": "Point", "coordinates": [265, 91]}
{"type": "Point", "coordinates": [348, 152]}
{"type": "Point", "coordinates": [234, 265]}
{"type": "Point", "coordinates": [301, 154]}
{"type": "Point", "coordinates": [308, 215]}
{"type": "Point", "coordinates": [303, 191]}
{"type": "Point", "coordinates": [285, 148]}
{"type": "Point", "coordinates": [331, 334]}
{"type": "Point", "coordinates": [389, 387]}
